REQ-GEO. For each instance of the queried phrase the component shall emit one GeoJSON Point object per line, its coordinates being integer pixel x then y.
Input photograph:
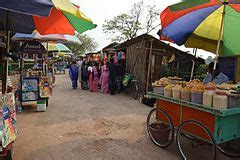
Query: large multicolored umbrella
{"type": "Point", "coordinates": [212, 25]}
{"type": "Point", "coordinates": [46, 16]}
{"type": "Point", "coordinates": [64, 18]}
{"type": "Point", "coordinates": [45, 38]}
{"type": "Point", "coordinates": [19, 14]}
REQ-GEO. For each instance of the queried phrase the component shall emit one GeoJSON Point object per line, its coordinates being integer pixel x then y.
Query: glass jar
{"type": "Point", "coordinates": [220, 100]}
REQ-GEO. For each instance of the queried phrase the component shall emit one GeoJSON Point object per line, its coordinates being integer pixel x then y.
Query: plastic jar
{"type": "Point", "coordinates": [197, 97]}
{"type": "Point", "coordinates": [176, 93]}
{"type": "Point", "coordinates": [234, 100]}
{"type": "Point", "coordinates": [220, 100]}
{"type": "Point", "coordinates": [159, 89]}
{"type": "Point", "coordinates": [208, 96]}
{"type": "Point", "coordinates": [186, 95]}
{"type": "Point", "coordinates": [167, 92]}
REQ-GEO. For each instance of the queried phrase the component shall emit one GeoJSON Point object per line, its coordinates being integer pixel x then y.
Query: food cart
{"type": "Point", "coordinates": [35, 82]}
{"type": "Point", "coordinates": [190, 118]}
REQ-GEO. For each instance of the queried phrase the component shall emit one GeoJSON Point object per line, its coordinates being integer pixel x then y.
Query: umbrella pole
{"type": "Point", "coordinates": [193, 65]}
{"type": "Point", "coordinates": [220, 36]}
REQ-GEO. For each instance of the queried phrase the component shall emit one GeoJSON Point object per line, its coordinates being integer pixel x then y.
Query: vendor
{"type": "Point", "coordinates": [215, 76]}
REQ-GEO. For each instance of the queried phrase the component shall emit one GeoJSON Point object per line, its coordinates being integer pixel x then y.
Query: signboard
{"type": "Point", "coordinates": [9, 129]}
{"type": "Point", "coordinates": [45, 88]}
{"type": "Point", "coordinates": [32, 47]}
{"type": "Point", "coordinates": [30, 89]}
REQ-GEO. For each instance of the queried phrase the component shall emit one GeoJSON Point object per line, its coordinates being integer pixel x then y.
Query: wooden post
{"type": "Point", "coordinates": [149, 66]}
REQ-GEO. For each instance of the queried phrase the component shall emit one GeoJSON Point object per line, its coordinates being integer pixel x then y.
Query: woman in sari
{"type": "Point", "coordinates": [73, 73]}
{"type": "Point", "coordinates": [104, 78]}
{"type": "Point", "coordinates": [93, 78]}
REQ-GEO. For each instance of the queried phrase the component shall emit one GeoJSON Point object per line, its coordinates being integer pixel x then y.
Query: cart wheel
{"type": "Point", "coordinates": [228, 151]}
{"type": "Point", "coordinates": [9, 155]}
{"type": "Point", "coordinates": [194, 140]}
{"type": "Point", "coordinates": [160, 127]}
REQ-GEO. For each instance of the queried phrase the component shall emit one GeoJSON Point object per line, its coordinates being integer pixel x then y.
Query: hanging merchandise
{"type": "Point", "coordinates": [9, 130]}
{"type": "Point", "coordinates": [45, 89]}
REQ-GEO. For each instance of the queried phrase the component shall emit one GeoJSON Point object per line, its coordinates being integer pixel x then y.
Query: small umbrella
{"type": "Point", "coordinates": [58, 47]}
{"type": "Point", "coordinates": [45, 38]}
{"type": "Point", "coordinates": [212, 25]}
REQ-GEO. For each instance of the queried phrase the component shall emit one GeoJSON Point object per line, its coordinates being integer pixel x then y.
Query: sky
{"type": "Point", "coordinates": [101, 10]}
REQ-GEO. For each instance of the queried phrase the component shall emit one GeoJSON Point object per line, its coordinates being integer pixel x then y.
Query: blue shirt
{"type": "Point", "coordinates": [219, 79]}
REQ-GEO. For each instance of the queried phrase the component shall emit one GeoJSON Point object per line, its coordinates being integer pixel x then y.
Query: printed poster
{"type": "Point", "coordinates": [45, 87]}
{"type": "Point", "coordinates": [9, 128]}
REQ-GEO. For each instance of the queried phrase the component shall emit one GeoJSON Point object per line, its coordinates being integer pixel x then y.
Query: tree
{"type": "Point", "coordinates": [88, 44]}
{"type": "Point", "coordinates": [140, 19]}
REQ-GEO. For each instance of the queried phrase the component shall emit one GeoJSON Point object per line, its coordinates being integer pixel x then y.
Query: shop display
{"type": "Point", "coordinates": [209, 95]}
{"type": "Point", "coordinates": [45, 89]}
{"type": "Point", "coordinates": [9, 129]}
{"type": "Point", "coordinates": [30, 89]}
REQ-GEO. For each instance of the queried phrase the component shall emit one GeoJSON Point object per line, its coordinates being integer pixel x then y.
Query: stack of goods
{"type": "Point", "coordinates": [222, 96]}
{"type": "Point", "coordinates": [158, 86]}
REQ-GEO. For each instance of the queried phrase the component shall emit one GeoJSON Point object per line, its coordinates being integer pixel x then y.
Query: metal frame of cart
{"type": "Point", "coordinates": [217, 126]}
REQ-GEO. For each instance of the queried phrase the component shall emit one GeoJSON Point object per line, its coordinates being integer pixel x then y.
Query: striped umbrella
{"type": "Point", "coordinates": [212, 25]}
{"type": "Point", "coordinates": [45, 38]}
{"type": "Point", "coordinates": [57, 47]}
{"type": "Point", "coordinates": [45, 16]}
{"type": "Point", "coordinates": [64, 18]}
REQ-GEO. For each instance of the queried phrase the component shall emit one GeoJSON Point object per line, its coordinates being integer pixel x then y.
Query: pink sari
{"type": "Point", "coordinates": [93, 80]}
{"type": "Point", "coordinates": [104, 79]}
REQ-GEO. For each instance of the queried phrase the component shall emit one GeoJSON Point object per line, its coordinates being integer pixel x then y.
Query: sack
{"type": "Point", "coordinates": [126, 79]}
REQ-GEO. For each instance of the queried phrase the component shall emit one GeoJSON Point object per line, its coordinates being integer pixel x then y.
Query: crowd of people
{"type": "Point", "coordinates": [96, 75]}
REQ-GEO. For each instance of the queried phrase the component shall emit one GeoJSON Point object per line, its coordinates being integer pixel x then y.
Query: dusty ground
{"type": "Point", "coordinates": [80, 125]}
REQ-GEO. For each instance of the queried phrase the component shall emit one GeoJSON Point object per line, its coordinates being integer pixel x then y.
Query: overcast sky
{"type": "Point", "coordinates": [100, 10]}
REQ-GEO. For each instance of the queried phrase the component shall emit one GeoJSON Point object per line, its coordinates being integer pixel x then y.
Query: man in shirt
{"type": "Point", "coordinates": [215, 75]}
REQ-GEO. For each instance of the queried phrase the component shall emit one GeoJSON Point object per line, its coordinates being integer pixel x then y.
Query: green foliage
{"type": "Point", "coordinates": [140, 19]}
{"type": "Point", "coordinates": [88, 45]}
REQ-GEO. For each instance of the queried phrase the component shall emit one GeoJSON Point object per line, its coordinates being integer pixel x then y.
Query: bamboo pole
{"type": "Point", "coordinates": [149, 66]}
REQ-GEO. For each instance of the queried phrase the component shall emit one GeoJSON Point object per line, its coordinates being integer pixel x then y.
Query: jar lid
{"type": "Point", "coordinates": [210, 88]}
{"type": "Point", "coordinates": [221, 93]}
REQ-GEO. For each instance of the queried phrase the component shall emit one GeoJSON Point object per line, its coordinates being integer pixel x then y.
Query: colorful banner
{"type": "Point", "coordinates": [45, 87]}
{"type": "Point", "coordinates": [9, 129]}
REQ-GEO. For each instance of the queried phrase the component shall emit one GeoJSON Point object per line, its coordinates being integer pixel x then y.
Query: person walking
{"type": "Point", "coordinates": [85, 75]}
{"type": "Point", "coordinates": [112, 77]}
{"type": "Point", "coordinates": [93, 78]}
{"type": "Point", "coordinates": [73, 73]}
{"type": "Point", "coordinates": [104, 79]}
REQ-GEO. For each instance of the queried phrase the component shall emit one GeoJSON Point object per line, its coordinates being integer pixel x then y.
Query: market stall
{"type": "Point", "coordinates": [35, 81]}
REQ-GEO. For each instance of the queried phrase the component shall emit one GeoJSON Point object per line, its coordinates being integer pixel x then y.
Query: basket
{"type": "Point", "coordinates": [160, 132]}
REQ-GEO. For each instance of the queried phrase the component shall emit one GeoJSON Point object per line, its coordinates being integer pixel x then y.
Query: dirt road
{"type": "Point", "coordinates": [80, 125]}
